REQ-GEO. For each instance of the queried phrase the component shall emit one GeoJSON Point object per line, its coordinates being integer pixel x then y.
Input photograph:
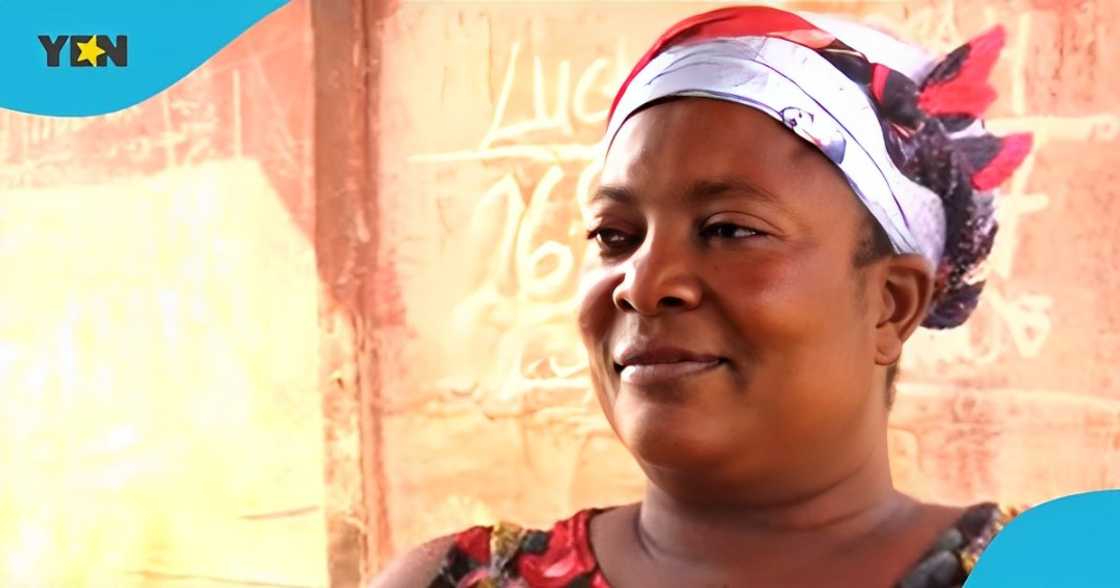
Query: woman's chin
{"type": "Point", "coordinates": [672, 437]}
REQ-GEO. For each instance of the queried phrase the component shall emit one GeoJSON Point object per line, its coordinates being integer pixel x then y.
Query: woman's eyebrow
{"type": "Point", "coordinates": [708, 189]}
{"type": "Point", "coordinates": [697, 191]}
{"type": "Point", "coordinates": [616, 193]}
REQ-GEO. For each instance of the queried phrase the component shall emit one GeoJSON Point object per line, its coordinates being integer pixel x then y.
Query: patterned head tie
{"type": "Point", "coordinates": [904, 129]}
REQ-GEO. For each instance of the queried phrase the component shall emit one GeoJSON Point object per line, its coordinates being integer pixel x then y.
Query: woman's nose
{"type": "Point", "coordinates": [659, 277]}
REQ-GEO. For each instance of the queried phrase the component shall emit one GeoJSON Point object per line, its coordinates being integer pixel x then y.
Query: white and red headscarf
{"type": "Point", "coordinates": [903, 128]}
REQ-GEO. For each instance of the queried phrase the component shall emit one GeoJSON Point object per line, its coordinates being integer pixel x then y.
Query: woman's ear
{"type": "Point", "coordinates": [905, 293]}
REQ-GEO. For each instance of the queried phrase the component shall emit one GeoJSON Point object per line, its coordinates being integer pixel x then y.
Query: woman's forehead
{"type": "Point", "coordinates": [680, 144]}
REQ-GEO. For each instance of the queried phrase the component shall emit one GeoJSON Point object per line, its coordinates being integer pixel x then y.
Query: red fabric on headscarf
{"type": "Point", "coordinates": [736, 21]}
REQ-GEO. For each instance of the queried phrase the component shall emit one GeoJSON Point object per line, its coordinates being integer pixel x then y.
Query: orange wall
{"type": "Point", "coordinates": [160, 423]}
{"type": "Point", "coordinates": [489, 116]}
{"type": "Point", "coordinates": [159, 335]}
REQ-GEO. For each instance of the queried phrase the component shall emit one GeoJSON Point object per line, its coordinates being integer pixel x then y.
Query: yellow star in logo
{"type": "Point", "coordinates": [90, 51]}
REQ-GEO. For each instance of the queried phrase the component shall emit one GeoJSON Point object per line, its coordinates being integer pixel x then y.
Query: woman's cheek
{"type": "Point", "coordinates": [596, 303]}
{"type": "Point", "coordinates": [771, 297]}
{"type": "Point", "coordinates": [596, 316]}
{"type": "Point", "coordinates": [760, 280]}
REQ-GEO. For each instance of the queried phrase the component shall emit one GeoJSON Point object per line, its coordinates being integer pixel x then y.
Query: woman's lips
{"type": "Point", "coordinates": [658, 373]}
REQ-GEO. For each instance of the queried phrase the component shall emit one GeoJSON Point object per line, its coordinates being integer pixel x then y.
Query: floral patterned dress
{"type": "Point", "coordinates": [508, 556]}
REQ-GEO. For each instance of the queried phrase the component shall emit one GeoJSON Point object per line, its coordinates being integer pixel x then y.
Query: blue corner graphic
{"type": "Point", "coordinates": [83, 58]}
{"type": "Point", "coordinates": [1068, 542]}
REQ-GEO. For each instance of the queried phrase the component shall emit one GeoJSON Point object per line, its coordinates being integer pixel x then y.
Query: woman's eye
{"type": "Point", "coordinates": [729, 231]}
{"type": "Point", "coordinates": [609, 239]}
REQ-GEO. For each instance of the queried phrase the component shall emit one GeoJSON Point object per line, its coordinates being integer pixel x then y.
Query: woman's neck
{"type": "Point", "coordinates": [833, 517]}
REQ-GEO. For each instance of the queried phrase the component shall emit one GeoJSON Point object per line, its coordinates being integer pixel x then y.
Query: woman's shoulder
{"type": "Point", "coordinates": [507, 552]}
{"type": "Point", "coordinates": [417, 567]}
{"type": "Point", "coordinates": [957, 549]}
{"type": "Point", "coordinates": [494, 554]}
{"type": "Point", "coordinates": [980, 524]}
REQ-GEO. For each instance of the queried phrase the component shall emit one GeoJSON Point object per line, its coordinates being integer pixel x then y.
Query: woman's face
{"type": "Point", "coordinates": [728, 329]}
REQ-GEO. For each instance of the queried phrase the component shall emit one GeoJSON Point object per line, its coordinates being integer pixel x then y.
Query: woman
{"type": "Point", "coordinates": [783, 201]}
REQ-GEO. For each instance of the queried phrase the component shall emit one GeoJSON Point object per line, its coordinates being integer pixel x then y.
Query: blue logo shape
{"type": "Point", "coordinates": [90, 57]}
{"type": "Point", "coordinates": [1068, 542]}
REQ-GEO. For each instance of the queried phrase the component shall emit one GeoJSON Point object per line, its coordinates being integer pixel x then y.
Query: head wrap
{"type": "Point", "coordinates": [903, 128]}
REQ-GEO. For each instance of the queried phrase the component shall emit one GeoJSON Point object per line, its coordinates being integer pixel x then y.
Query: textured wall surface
{"type": "Point", "coordinates": [184, 295]}
{"type": "Point", "coordinates": [488, 119]}
{"type": "Point", "coordinates": [160, 423]}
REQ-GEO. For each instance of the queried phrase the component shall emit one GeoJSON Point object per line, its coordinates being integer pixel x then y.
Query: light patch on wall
{"type": "Point", "coordinates": [159, 416]}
